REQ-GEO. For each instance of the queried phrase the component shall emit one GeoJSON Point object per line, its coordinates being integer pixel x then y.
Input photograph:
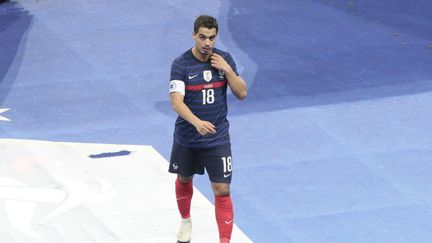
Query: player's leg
{"type": "Point", "coordinates": [218, 163]}
{"type": "Point", "coordinates": [184, 193]}
{"type": "Point", "coordinates": [183, 163]}
{"type": "Point", "coordinates": [223, 210]}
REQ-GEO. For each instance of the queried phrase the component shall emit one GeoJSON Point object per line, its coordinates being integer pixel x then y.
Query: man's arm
{"type": "Point", "coordinates": [203, 127]}
{"type": "Point", "coordinates": [235, 82]}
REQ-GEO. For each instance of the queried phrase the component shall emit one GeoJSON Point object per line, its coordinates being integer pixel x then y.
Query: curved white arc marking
{"type": "Point", "coordinates": [20, 214]}
{"type": "Point", "coordinates": [78, 192]}
{"type": "Point", "coordinates": [107, 192]}
{"type": "Point", "coordinates": [21, 202]}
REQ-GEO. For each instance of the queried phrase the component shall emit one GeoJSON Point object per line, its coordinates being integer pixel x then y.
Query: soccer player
{"type": "Point", "coordinates": [199, 81]}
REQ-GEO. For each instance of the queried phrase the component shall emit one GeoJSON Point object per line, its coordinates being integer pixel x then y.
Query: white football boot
{"type": "Point", "coordinates": [185, 231]}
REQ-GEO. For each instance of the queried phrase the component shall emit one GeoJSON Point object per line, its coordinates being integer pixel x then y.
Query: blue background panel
{"type": "Point", "coordinates": [333, 143]}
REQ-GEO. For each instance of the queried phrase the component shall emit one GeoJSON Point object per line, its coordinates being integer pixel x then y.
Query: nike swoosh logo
{"type": "Point", "coordinates": [227, 175]}
{"type": "Point", "coordinates": [191, 77]}
{"type": "Point", "coordinates": [228, 222]}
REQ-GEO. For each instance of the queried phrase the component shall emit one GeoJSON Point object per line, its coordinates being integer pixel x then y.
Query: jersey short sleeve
{"type": "Point", "coordinates": [177, 78]}
{"type": "Point", "coordinates": [177, 71]}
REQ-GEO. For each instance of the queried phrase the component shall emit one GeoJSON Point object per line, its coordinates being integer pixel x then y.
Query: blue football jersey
{"type": "Point", "coordinates": [205, 95]}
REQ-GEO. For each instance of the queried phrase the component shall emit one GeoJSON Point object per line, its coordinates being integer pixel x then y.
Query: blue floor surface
{"type": "Point", "coordinates": [333, 143]}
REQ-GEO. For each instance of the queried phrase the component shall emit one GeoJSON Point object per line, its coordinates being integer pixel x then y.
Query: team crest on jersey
{"type": "Point", "coordinates": [207, 75]}
{"type": "Point", "coordinates": [221, 74]}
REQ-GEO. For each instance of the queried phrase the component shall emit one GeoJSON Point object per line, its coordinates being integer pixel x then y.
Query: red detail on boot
{"type": "Point", "coordinates": [224, 217]}
{"type": "Point", "coordinates": [184, 192]}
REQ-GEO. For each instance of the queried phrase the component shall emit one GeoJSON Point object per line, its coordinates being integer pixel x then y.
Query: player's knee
{"type": "Point", "coordinates": [221, 189]}
{"type": "Point", "coordinates": [183, 179]}
{"type": "Point", "coordinates": [222, 192]}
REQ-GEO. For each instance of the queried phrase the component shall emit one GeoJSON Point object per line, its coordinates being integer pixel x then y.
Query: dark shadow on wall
{"type": "Point", "coordinates": [14, 22]}
{"type": "Point", "coordinates": [327, 52]}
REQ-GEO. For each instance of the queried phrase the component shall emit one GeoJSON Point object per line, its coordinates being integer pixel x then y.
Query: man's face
{"type": "Point", "coordinates": [205, 40]}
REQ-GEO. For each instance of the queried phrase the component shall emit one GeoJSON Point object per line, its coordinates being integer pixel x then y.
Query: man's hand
{"type": "Point", "coordinates": [235, 82]}
{"type": "Point", "coordinates": [205, 128]}
{"type": "Point", "coordinates": [218, 62]}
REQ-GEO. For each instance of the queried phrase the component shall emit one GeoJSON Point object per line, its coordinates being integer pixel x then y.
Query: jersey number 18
{"type": "Point", "coordinates": [208, 96]}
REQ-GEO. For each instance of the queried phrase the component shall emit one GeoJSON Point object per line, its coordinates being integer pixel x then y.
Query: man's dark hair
{"type": "Point", "coordinates": [206, 21]}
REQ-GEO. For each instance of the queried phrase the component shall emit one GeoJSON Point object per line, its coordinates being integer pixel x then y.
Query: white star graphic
{"type": "Point", "coordinates": [2, 118]}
